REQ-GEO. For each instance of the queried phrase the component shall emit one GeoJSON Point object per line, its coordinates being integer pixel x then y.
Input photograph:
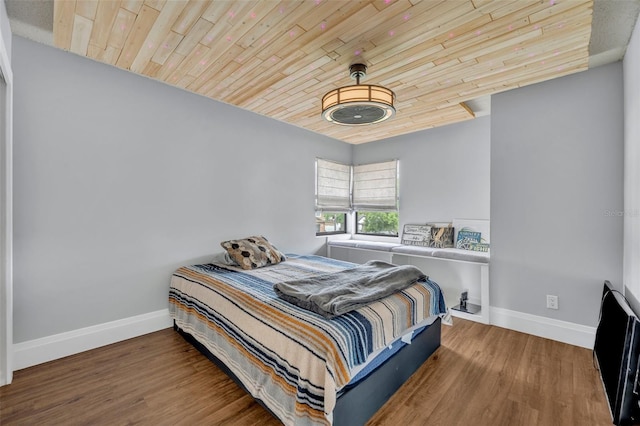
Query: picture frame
{"type": "Point", "coordinates": [416, 235]}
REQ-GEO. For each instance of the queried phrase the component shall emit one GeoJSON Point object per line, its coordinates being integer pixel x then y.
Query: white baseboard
{"type": "Point", "coordinates": [38, 351]}
{"type": "Point", "coordinates": [549, 328]}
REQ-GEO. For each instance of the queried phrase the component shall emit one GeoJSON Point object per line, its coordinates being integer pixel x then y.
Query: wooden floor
{"type": "Point", "coordinates": [481, 375]}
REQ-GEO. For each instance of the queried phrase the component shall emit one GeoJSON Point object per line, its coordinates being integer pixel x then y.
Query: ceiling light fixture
{"type": "Point", "coordinates": [359, 104]}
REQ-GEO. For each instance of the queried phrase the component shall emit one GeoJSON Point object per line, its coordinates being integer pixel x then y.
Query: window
{"type": "Point", "coordinates": [371, 190]}
{"type": "Point", "coordinates": [333, 197]}
{"type": "Point", "coordinates": [333, 186]}
{"type": "Point", "coordinates": [375, 198]}
{"type": "Point", "coordinates": [377, 223]}
{"type": "Point", "coordinates": [331, 223]}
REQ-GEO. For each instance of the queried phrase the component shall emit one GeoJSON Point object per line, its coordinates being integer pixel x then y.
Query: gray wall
{"type": "Point", "coordinates": [444, 175]}
{"type": "Point", "coordinates": [631, 69]}
{"type": "Point", "coordinates": [444, 172]}
{"type": "Point", "coordinates": [5, 27]}
{"type": "Point", "coordinates": [556, 194]}
{"type": "Point", "coordinates": [120, 179]}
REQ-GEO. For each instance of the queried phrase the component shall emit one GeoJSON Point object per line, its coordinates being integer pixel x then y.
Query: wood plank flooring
{"type": "Point", "coordinates": [481, 375]}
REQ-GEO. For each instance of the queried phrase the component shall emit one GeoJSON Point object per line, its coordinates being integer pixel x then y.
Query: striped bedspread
{"type": "Point", "coordinates": [292, 359]}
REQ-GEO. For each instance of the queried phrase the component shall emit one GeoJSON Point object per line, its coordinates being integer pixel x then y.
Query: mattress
{"type": "Point", "coordinates": [293, 360]}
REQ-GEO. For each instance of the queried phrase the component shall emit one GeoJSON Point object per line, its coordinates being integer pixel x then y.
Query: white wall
{"type": "Point", "coordinates": [444, 172]}
{"type": "Point", "coordinates": [119, 180]}
{"type": "Point", "coordinates": [556, 194]}
{"type": "Point", "coordinates": [631, 68]}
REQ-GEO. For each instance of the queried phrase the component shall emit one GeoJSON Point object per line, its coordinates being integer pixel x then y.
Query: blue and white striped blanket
{"type": "Point", "coordinates": [292, 359]}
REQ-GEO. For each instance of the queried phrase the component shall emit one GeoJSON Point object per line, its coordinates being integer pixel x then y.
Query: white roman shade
{"type": "Point", "coordinates": [333, 186]}
{"type": "Point", "coordinates": [375, 186]}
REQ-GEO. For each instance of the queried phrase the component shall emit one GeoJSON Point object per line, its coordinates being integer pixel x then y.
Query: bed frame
{"type": "Point", "coordinates": [357, 404]}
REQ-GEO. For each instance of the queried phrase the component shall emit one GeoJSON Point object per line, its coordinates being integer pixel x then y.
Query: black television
{"type": "Point", "coordinates": [616, 352]}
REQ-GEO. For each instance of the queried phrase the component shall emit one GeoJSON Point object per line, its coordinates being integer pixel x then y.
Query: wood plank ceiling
{"type": "Point", "coordinates": [279, 57]}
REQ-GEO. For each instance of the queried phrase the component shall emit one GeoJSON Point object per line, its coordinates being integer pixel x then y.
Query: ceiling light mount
{"type": "Point", "coordinates": [357, 71]}
{"type": "Point", "coordinates": [359, 104]}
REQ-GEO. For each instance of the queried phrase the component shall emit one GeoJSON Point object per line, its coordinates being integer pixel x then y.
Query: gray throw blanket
{"type": "Point", "coordinates": [336, 293]}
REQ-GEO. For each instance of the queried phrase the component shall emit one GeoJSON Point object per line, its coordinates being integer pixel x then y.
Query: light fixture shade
{"type": "Point", "coordinates": [359, 104]}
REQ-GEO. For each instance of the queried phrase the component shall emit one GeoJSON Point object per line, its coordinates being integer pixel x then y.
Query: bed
{"type": "Point", "coordinates": [303, 368]}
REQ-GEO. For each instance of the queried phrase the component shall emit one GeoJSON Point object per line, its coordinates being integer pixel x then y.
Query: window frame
{"type": "Point", "coordinates": [382, 205]}
{"type": "Point", "coordinates": [344, 231]}
{"type": "Point", "coordinates": [386, 204]}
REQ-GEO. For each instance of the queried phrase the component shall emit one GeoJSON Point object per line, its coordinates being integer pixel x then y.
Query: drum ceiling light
{"type": "Point", "coordinates": [359, 104]}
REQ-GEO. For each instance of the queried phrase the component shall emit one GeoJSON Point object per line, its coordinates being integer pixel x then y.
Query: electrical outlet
{"type": "Point", "coordinates": [552, 302]}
